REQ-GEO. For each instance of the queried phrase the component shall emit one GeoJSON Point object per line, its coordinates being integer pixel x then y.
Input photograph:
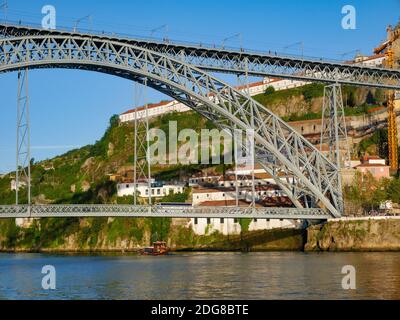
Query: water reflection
{"type": "Point", "coordinates": [270, 275]}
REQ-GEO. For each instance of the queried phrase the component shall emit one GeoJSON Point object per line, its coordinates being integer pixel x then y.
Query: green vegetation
{"type": "Point", "coordinates": [367, 193]}
{"type": "Point", "coordinates": [309, 91]}
{"type": "Point", "coordinates": [348, 111]}
{"type": "Point", "coordinates": [378, 141]}
{"type": "Point", "coordinates": [177, 197]}
{"type": "Point", "coordinates": [302, 117]}
{"type": "Point", "coordinates": [244, 224]}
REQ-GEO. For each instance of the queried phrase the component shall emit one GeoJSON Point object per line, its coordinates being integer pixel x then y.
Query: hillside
{"type": "Point", "coordinates": [80, 176]}
{"type": "Point", "coordinates": [305, 103]}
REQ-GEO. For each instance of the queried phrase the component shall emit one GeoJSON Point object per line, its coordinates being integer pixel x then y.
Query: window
{"type": "Point", "coordinates": [196, 221]}
{"type": "Point", "coordinates": [222, 220]}
{"type": "Point", "coordinates": [127, 186]}
{"type": "Point", "coordinates": [280, 219]}
{"type": "Point", "coordinates": [158, 191]}
{"type": "Point", "coordinates": [235, 220]}
{"type": "Point", "coordinates": [208, 220]}
{"type": "Point", "coordinates": [255, 220]}
{"type": "Point", "coordinates": [268, 220]}
{"type": "Point", "coordinates": [152, 191]}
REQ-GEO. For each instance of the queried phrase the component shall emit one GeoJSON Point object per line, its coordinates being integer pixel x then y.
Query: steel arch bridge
{"type": "Point", "coordinates": [286, 155]}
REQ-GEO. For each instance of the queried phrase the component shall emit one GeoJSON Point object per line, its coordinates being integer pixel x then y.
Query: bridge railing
{"type": "Point", "coordinates": [200, 45]}
{"type": "Point", "coordinates": [158, 211]}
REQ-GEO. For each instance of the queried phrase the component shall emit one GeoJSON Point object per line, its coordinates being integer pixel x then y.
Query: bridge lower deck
{"type": "Point", "coordinates": [158, 211]}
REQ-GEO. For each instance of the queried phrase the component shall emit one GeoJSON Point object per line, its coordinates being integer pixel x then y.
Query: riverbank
{"type": "Point", "coordinates": [132, 234]}
{"type": "Point", "coordinates": [125, 235]}
{"type": "Point", "coordinates": [355, 234]}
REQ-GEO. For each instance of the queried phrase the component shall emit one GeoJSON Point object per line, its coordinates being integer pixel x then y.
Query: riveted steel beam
{"type": "Point", "coordinates": [220, 59]}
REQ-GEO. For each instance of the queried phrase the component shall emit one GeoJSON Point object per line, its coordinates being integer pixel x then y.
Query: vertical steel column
{"type": "Point", "coordinates": [23, 153]}
{"type": "Point", "coordinates": [333, 126]}
{"type": "Point", "coordinates": [333, 131]}
{"type": "Point", "coordinates": [142, 160]}
{"type": "Point", "coordinates": [244, 87]}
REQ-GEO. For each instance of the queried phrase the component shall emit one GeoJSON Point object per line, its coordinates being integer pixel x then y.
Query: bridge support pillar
{"type": "Point", "coordinates": [23, 152]}
{"type": "Point", "coordinates": [142, 160]}
{"type": "Point", "coordinates": [333, 127]}
{"type": "Point", "coordinates": [247, 147]}
{"type": "Point", "coordinates": [334, 133]}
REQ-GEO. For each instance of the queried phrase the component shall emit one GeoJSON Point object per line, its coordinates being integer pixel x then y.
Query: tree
{"type": "Point", "coordinates": [269, 90]}
{"type": "Point", "coordinates": [351, 100]}
{"type": "Point", "coordinates": [370, 100]}
{"type": "Point", "coordinates": [393, 191]}
{"type": "Point", "coordinates": [366, 192]}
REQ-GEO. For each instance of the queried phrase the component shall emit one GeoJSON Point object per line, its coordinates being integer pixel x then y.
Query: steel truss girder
{"type": "Point", "coordinates": [234, 61]}
{"type": "Point", "coordinates": [283, 153]}
{"type": "Point", "coordinates": [102, 210]}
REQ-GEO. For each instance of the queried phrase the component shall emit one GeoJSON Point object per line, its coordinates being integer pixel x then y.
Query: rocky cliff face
{"type": "Point", "coordinates": [131, 234]}
{"type": "Point", "coordinates": [355, 235]}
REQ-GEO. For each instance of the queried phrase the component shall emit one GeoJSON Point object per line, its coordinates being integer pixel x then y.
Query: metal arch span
{"type": "Point", "coordinates": [283, 153]}
{"type": "Point", "coordinates": [254, 63]}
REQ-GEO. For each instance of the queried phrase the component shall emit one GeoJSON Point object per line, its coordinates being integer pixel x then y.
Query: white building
{"type": "Point", "coordinates": [203, 226]}
{"type": "Point", "coordinates": [157, 190]}
{"type": "Point", "coordinates": [370, 61]}
{"type": "Point", "coordinates": [21, 184]}
{"type": "Point", "coordinates": [204, 195]}
{"type": "Point", "coordinates": [200, 180]}
{"type": "Point", "coordinates": [153, 110]}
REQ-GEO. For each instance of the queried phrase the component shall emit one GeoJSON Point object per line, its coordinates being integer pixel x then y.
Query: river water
{"type": "Point", "coordinates": [266, 275]}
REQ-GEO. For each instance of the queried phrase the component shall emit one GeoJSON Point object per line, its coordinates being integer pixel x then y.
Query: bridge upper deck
{"type": "Point", "coordinates": [238, 61]}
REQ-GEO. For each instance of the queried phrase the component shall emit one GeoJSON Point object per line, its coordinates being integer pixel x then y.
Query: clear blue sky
{"type": "Point", "coordinates": [71, 108]}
